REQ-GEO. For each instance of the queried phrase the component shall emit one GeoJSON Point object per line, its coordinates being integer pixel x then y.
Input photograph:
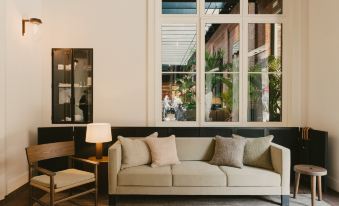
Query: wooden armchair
{"type": "Point", "coordinates": [55, 182]}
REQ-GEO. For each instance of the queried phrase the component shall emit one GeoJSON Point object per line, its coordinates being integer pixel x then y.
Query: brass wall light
{"type": "Point", "coordinates": [35, 21]}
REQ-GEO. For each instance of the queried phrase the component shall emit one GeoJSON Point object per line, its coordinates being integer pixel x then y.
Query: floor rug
{"type": "Point", "coordinates": [301, 200]}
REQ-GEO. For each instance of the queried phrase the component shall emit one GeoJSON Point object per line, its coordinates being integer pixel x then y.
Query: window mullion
{"type": "Point", "coordinates": [202, 72]}
{"type": "Point", "coordinates": [244, 72]}
{"type": "Point", "coordinates": [244, 7]}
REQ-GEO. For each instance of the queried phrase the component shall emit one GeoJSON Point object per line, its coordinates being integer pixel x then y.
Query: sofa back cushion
{"type": "Point", "coordinates": [195, 148]}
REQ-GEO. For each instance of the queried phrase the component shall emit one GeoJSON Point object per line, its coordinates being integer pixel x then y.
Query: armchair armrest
{"type": "Point", "coordinates": [114, 165]}
{"type": "Point", "coordinates": [45, 172]}
{"type": "Point", "coordinates": [84, 160]}
{"type": "Point", "coordinates": [281, 161]}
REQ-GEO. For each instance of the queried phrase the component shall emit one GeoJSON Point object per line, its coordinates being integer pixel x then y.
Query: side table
{"type": "Point", "coordinates": [102, 173]}
{"type": "Point", "coordinates": [316, 173]}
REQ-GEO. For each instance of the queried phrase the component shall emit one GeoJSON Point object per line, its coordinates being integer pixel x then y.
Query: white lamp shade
{"type": "Point", "coordinates": [98, 133]}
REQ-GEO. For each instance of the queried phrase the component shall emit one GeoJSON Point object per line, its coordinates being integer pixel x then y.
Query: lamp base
{"type": "Point", "coordinates": [98, 153]}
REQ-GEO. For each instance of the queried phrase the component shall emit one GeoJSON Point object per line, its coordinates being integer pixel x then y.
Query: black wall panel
{"type": "Point", "coordinates": [250, 132]}
{"type": "Point", "coordinates": [213, 131]}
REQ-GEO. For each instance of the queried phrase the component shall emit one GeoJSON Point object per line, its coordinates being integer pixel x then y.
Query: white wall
{"type": "Point", "coordinates": [116, 30]}
{"type": "Point", "coordinates": [295, 42]}
{"type": "Point", "coordinates": [323, 94]}
{"type": "Point", "coordinates": [2, 101]}
{"type": "Point", "coordinates": [23, 96]}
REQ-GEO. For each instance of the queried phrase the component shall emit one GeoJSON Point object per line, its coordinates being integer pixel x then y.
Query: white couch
{"type": "Point", "coordinates": [195, 176]}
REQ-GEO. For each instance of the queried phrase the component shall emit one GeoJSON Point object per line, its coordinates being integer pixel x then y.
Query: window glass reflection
{"type": "Point", "coordinates": [222, 7]}
{"type": "Point", "coordinates": [265, 6]}
{"type": "Point", "coordinates": [179, 7]}
{"type": "Point", "coordinates": [265, 68]}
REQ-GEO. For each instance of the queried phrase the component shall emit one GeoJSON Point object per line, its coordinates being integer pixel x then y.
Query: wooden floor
{"type": "Point", "coordinates": [20, 197]}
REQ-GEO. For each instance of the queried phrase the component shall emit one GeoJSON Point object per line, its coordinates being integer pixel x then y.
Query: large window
{"type": "Point", "coordinates": [221, 61]}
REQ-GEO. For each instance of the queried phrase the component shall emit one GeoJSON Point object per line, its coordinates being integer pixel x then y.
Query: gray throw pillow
{"type": "Point", "coordinates": [257, 151]}
{"type": "Point", "coordinates": [228, 152]}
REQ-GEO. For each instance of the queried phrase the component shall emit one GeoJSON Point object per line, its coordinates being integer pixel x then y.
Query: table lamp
{"type": "Point", "coordinates": [98, 133]}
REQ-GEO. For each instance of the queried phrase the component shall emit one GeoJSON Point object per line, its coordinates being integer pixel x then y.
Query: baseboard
{"type": "Point", "coordinates": [17, 182]}
{"type": "Point", "coordinates": [333, 183]}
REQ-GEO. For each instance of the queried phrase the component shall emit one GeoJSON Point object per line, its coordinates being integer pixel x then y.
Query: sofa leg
{"type": "Point", "coordinates": [285, 200]}
{"type": "Point", "coordinates": [112, 200]}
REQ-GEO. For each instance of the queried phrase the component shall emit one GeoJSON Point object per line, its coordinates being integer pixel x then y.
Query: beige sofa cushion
{"type": "Point", "coordinates": [197, 174]}
{"type": "Point", "coordinates": [251, 177]}
{"type": "Point", "coordinates": [163, 151]}
{"type": "Point", "coordinates": [145, 175]}
{"type": "Point", "coordinates": [189, 148]}
{"type": "Point", "coordinates": [63, 178]}
{"type": "Point", "coordinates": [135, 151]}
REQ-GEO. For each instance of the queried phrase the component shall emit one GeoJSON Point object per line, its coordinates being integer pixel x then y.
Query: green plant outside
{"type": "Point", "coordinates": [186, 84]}
{"type": "Point", "coordinates": [275, 90]}
{"type": "Point", "coordinates": [213, 61]}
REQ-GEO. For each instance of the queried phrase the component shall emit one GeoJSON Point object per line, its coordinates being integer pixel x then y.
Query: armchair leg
{"type": "Point", "coordinates": [112, 200]}
{"type": "Point", "coordinates": [30, 195]}
{"type": "Point", "coordinates": [51, 199]}
{"type": "Point", "coordinates": [285, 200]}
{"type": "Point", "coordinates": [96, 197]}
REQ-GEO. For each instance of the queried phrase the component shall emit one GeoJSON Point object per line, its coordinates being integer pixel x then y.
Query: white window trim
{"type": "Point", "coordinates": [155, 19]}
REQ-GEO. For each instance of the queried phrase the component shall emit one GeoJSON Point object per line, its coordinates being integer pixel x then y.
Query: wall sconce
{"type": "Point", "coordinates": [35, 21]}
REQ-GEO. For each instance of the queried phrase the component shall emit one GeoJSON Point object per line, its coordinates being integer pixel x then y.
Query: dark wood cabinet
{"type": "Point", "coordinates": [72, 86]}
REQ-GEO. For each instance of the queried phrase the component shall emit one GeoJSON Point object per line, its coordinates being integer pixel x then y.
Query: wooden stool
{"type": "Point", "coordinates": [314, 172]}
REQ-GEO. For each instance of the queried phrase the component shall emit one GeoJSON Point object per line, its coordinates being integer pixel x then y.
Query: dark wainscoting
{"type": "Point", "coordinates": [313, 151]}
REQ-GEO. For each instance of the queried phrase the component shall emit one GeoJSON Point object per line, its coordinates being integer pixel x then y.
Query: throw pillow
{"type": "Point", "coordinates": [135, 152]}
{"type": "Point", "coordinates": [163, 151]}
{"type": "Point", "coordinates": [228, 152]}
{"type": "Point", "coordinates": [257, 151]}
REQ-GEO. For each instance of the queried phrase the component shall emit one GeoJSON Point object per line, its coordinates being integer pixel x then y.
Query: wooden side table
{"type": "Point", "coordinates": [102, 173]}
{"type": "Point", "coordinates": [316, 173]}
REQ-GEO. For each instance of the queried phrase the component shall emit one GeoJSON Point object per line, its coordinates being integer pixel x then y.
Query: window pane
{"type": "Point", "coordinates": [178, 97]}
{"type": "Point", "coordinates": [222, 97]}
{"type": "Point", "coordinates": [264, 97]}
{"type": "Point", "coordinates": [179, 6]}
{"type": "Point", "coordinates": [264, 47]}
{"type": "Point", "coordinates": [178, 43]}
{"type": "Point", "coordinates": [222, 7]}
{"type": "Point", "coordinates": [222, 43]}
{"type": "Point", "coordinates": [265, 6]}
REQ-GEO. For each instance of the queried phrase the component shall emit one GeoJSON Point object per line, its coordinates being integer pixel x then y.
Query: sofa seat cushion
{"type": "Point", "coordinates": [64, 178]}
{"type": "Point", "coordinates": [145, 175]}
{"type": "Point", "coordinates": [197, 174]}
{"type": "Point", "coordinates": [251, 177]}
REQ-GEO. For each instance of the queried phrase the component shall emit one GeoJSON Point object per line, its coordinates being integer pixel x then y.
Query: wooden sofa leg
{"type": "Point", "coordinates": [285, 200]}
{"type": "Point", "coordinates": [112, 200]}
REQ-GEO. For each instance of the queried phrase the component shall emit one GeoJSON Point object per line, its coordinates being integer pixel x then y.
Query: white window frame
{"type": "Point", "coordinates": [155, 19]}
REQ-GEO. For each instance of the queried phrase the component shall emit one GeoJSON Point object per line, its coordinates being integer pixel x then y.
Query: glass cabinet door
{"type": "Point", "coordinates": [72, 85]}
{"type": "Point", "coordinates": [83, 90]}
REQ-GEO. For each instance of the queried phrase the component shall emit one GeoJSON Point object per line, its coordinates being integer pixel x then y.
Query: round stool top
{"type": "Point", "coordinates": [310, 170]}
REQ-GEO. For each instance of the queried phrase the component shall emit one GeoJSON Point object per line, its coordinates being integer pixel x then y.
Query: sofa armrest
{"type": "Point", "coordinates": [281, 161]}
{"type": "Point", "coordinates": [114, 165]}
